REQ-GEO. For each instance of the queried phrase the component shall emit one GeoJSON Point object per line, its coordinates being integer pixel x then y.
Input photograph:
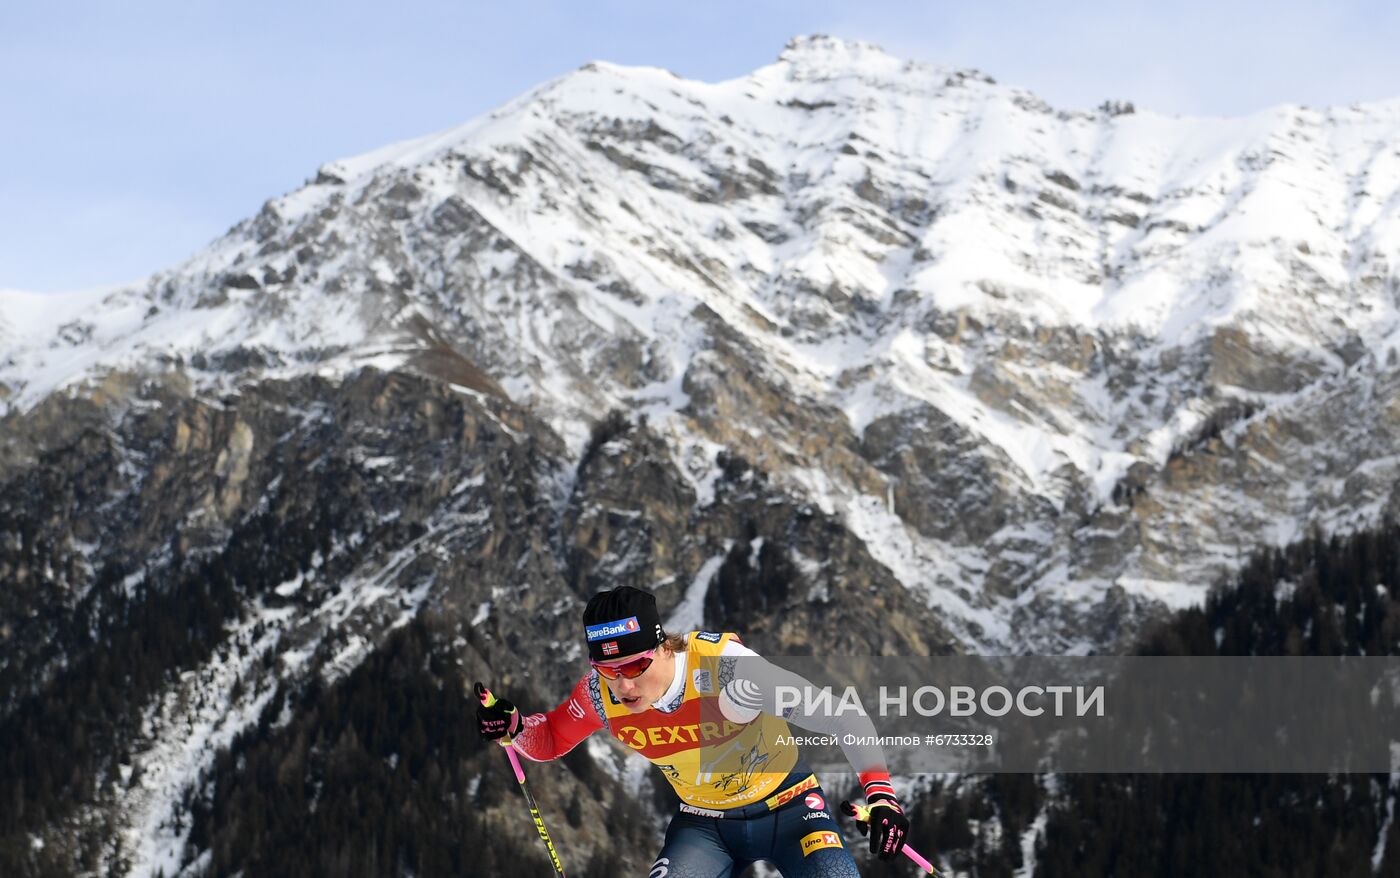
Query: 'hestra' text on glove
{"type": "Point", "coordinates": [888, 826]}
{"type": "Point", "coordinates": [498, 720]}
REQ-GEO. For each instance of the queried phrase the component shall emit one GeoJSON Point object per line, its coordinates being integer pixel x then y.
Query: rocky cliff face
{"type": "Point", "coordinates": [311, 517]}
{"type": "Point", "coordinates": [850, 353]}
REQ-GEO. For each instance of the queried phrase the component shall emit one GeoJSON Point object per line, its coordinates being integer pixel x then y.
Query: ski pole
{"type": "Point", "coordinates": [862, 815]}
{"type": "Point", "coordinates": [487, 699]}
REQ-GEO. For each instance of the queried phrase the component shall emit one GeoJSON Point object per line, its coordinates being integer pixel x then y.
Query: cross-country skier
{"type": "Point", "coordinates": [703, 708]}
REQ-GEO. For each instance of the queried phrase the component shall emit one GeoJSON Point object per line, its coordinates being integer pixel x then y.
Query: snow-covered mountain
{"type": "Point", "coordinates": [1027, 355]}
{"type": "Point", "coordinates": [1048, 371]}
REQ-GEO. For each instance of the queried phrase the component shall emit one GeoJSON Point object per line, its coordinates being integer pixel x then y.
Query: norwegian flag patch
{"type": "Point", "coordinates": [610, 648]}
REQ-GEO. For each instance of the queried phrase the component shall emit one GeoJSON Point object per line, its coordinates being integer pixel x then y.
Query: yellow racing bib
{"type": "Point", "coordinates": [711, 762]}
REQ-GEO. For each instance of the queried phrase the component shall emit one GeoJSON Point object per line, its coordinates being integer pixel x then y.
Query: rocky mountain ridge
{"type": "Point", "coordinates": [848, 265]}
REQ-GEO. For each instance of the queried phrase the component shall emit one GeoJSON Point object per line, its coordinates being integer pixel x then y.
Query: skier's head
{"type": "Point", "coordinates": [628, 647]}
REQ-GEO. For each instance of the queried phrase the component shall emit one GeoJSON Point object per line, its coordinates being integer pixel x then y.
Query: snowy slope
{"type": "Point", "coordinates": [920, 255]}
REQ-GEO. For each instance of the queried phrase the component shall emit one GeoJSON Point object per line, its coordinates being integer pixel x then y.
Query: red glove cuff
{"type": "Point", "coordinates": [877, 786]}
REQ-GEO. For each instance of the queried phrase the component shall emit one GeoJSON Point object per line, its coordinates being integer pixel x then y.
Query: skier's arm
{"type": "Point", "coordinates": [545, 736]}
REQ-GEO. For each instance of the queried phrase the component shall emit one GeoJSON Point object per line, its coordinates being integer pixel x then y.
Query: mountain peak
{"type": "Point", "coordinates": [822, 45]}
{"type": "Point", "coordinates": [829, 55]}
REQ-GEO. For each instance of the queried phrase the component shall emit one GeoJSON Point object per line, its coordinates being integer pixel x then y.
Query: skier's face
{"type": "Point", "coordinates": [638, 693]}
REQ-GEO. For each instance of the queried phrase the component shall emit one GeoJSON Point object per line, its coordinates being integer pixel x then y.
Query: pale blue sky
{"type": "Point", "coordinates": [133, 133]}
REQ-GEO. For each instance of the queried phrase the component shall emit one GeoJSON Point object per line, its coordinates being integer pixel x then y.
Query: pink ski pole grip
{"type": "Point", "coordinates": [487, 699]}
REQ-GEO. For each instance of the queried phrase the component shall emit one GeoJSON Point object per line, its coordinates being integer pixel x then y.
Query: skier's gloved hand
{"type": "Point", "coordinates": [498, 720]}
{"type": "Point", "coordinates": [888, 828]}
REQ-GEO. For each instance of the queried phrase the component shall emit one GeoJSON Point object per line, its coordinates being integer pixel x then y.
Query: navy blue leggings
{"type": "Point", "coordinates": [801, 839]}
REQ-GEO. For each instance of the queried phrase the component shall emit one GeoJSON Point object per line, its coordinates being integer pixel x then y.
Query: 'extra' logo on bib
{"type": "Point", "coordinates": [630, 625]}
{"type": "Point", "coordinates": [818, 840]}
{"type": "Point", "coordinates": [660, 736]}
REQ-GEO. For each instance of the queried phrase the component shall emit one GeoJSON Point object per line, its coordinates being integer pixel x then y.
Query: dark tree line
{"type": "Point", "coordinates": [368, 778]}
{"type": "Point", "coordinates": [121, 647]}
{"type": "Point", "coordinates": [1337, 598]}
{"type": "Point", "coordinates": [384, 774]}
{"type": "Point", "coordinates": [1321, 596]}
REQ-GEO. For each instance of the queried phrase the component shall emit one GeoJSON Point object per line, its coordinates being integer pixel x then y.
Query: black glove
{"type": "Point", "coordinates": [888, 828]}
{"type": "Point", "coordinates": [498, 720]}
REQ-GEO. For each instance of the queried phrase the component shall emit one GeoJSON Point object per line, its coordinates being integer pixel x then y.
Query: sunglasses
{"type": "Point", "coordinates": [629, 669]}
